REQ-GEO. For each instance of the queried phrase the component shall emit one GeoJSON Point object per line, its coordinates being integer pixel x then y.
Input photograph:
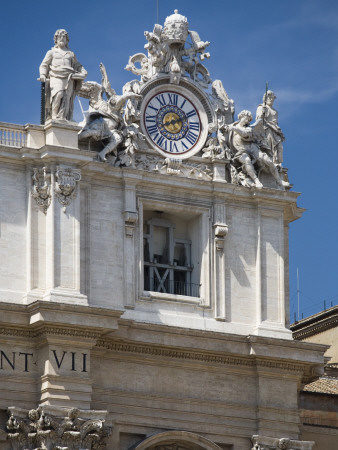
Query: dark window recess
{"type": "Point", "coordinates": [167, 260]}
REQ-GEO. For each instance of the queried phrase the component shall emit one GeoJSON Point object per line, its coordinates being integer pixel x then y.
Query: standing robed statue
{"type": "Point", "coordinates": [63, 75]}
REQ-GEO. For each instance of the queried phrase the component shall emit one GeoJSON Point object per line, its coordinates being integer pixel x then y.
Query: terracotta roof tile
{"type": "Point", "coordinates": [324, 385]}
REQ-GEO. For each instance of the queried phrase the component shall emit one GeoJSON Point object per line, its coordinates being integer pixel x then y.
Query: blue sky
{"type": "Point", "coordinates": [292, 44]}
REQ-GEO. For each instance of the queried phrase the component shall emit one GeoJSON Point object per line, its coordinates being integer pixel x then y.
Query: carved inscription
{"type": "Point", "coordinates": [23, 361]}
{"type": "Point", "coordinates": [10, 360]}
{"type": "Point", "coordinates": [72, 361]}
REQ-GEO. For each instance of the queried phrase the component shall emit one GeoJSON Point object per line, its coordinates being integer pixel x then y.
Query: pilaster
{"type": "Point", "coordinates": [270, 274]}
{"type": "Point", "coordinates": [130, 216]}
{"type": "Point", "coordinates": [220, 230]}
{"type": "Point", "coordinates": [66, 335]}
{"type": "Point", "coordinates": [65, 370]}
{"type": "Point", "coordinates": [53, 238]}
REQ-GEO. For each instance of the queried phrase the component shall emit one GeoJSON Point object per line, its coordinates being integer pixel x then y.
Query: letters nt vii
{"type": "Point", "coordinates": [24, 361]}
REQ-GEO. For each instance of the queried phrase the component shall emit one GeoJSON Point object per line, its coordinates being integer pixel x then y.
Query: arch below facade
{"type": "Point", "coordinates": [184, 440]}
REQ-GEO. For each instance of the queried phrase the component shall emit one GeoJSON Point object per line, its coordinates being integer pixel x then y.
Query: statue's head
{"type": "Point", "coordinates": [176, 28]}
{"type": "Point", "coordinates": [269, 97]}
{"type": "Point", "coordinates": [245, 114]}
{"type": "Point", "coordinates": [283, 443]}
{"type": "Point", "coordinates": [61, 38]}
{"type": "Point", "coordinates": [33, 415]}
{"type": "Point", "coordinates": [73, 413]}
{"type": "Point", "coordinates": [91, 90]}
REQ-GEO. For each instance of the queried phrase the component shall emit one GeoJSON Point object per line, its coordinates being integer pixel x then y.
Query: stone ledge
{"type": "Point", "coordinates": [53, 317]}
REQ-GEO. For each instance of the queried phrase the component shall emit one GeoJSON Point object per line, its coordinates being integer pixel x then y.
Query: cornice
{"type": "Point", "coordinates": [175, 353]}
{"type": "Point", "coordinates": [126, 325]}
{"type": "Point", "coordinates": [197, 356]}
{"type": "Point", "coordinates": [17, 332]}
{"type": "Point", "coordinates": [162, 351]}
{"type": "Point", "coordinates": [315, 325]}
{"type": "Point", "coordinates": [49, 330]}
{"type": "Point", "coordinates": [65, 331]}
{"type": "Point", "coordinates": [57, 318]}
{"type": "Point", "coordinates": [289, 367]}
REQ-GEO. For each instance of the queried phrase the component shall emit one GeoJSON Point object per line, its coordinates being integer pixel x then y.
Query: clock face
{"type": "Point", "coordinates": [172, 123]}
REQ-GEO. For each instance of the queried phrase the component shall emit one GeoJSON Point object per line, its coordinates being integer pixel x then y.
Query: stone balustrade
{"type": "Point", "coordinates": [12, 135]}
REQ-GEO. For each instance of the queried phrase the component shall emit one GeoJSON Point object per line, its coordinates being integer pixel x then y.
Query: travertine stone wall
{"type": "Point", "coordinates": [91, 252]}
{"type": "Point", "coordinates": [13, 232]}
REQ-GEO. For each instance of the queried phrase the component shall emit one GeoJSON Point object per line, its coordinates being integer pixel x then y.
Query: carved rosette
{"type": "Point", "coordinates": [37, 431]}
{"type": "Point", "coordinates": [66, 183]}
{"type": "Point", "coordinates": [41, 190]}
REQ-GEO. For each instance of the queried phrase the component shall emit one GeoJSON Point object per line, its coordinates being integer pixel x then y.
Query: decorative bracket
{"type": "Point", "coordinates": [65, 186]}
{"type": "Point", "coordinates": [130, 221]}
{"type": "Point", "coordinates": [173, 166]}
{"type": "Point", "coordinates": [221, 230]}
{"type": "Point", "coordinates": [41, 187]}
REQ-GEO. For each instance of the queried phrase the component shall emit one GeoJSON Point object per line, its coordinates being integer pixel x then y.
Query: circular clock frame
{"type": "Point", "coordinates": [174, 121]}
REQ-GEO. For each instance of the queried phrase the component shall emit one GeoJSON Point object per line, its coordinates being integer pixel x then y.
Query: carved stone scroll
{"type": "Point", "coordinates": [142, 67]}
{"type": "Point", "coordinates": [65, 186]}
{"type": "Point", "coordinates": [41, 187]}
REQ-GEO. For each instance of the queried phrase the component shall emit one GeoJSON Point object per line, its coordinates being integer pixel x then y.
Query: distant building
{"type": "Point", "coordinates": [319, 399]}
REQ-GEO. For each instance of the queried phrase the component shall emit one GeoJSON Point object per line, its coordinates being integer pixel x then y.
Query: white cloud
{"type": "Point", "coordinates": [298, 96]}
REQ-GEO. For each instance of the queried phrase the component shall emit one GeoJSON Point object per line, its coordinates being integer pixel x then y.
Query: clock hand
{"type": "Point", "coordinates": [172, 122]}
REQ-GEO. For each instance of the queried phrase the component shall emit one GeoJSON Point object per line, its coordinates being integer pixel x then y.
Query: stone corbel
{"type": "Point", "coordinates": [41, 190]}
{"type": "Point", "coordinates": [268, 443]}
{"type": "Point", "coordinates": [130, 221]}
{"type": "Point", "coordinates": [221, 230]}
{"type": "Point", "coordinates": [66, 183]}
